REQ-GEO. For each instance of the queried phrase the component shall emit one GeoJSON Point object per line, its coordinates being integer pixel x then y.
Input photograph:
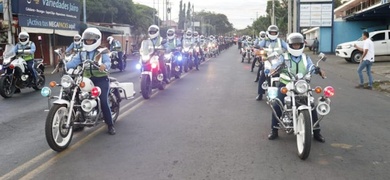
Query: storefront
{"type": "Point", "coordinates": [55, 22]}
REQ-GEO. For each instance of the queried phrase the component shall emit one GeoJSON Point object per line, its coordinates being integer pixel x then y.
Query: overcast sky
{"type": "Point", "coordinates": [239, 12]}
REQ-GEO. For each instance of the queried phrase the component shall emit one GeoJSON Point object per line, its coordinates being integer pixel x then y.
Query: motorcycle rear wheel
{"type": "Point", "coordinates": [146, 86]}
{"type": "Point", "coordinates": [7, 90]}
{"type": "Point", "coordinates": [57, 136]}
{"type": "Point", "coordinates": [303, 134]}
{"type": "Point", "coordinates": [41, 82]}
{"type": "Point", "coordinates": [114, 106]}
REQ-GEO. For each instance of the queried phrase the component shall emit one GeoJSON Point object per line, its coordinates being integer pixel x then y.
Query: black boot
{"type": "Point", "coordinates": [318, 137]}
{"type": "Point", "coordinates": [273, 135]}
{"type": "Point", "coordinates": [111, 130]}
{"type": "Point", "coordinates": [259, 97]}
{"type": "Point", "coordinates": [257, 79]}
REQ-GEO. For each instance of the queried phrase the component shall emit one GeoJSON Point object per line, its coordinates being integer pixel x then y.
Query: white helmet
{"type": "Point", "coordinates": [77, 39]}
{"type": "Point", "coordinates": [196, 34]}
{"type": "Point", "coordinates": [293, 39]}
{"type": "Point", "coordinates": [23, 38]}
{"type": "Point", "coordinates": [262, 35]}
{"type": "Point", "coordinates": [271, 32]}
{"type": "Point", "coordinates": [170, 34]}
{"type": "Point", "coordinates": [110, 39]}
{"type": "Point", "coordinates": [188, 34]}
{"type": "Point", "coordinates": [153, 31]}
{"type": "Point", "coordinates": [91, 34]}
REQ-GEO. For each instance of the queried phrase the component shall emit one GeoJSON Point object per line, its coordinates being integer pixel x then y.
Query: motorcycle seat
{"type": "Point", "coordinates": [112, 79]}
{"type": "Point", "coordinates": [38, 61]}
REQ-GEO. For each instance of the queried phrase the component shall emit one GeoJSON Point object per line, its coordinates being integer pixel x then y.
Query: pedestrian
{"type": "Point", "coordinates": [315, 46]}
{"type": "Point", "coordinates": [366, 61]}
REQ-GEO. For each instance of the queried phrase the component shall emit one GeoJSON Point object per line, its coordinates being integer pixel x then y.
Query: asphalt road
{"type": "Point", "coordinates": [205, 125]}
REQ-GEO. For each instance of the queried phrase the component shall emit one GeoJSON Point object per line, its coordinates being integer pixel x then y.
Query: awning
{"type": "Point", "coordinates": [381, 12]}
{"type": "Point", "coordinates": [106, 29]}
{"type": "Point", "coordinates": [69, 33]}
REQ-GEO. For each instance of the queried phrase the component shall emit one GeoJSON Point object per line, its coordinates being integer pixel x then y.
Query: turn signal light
{"type": "Point", "coordinates": [52, 84]}
{"type": "Point", "coordinates": [82, 84]}
{"type": "Point", "coordinates": [283, 90]}
{"type": "Point", "coordinates": [318, 89]}
{"type": "Point", "coordinates": [12, 66]}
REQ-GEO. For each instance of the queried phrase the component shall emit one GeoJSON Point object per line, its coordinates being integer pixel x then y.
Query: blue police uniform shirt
{"type": "Point", "coordinates": [77, 60]}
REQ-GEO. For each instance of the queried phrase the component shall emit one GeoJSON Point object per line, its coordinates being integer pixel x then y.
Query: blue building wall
{"type": "Point", "coordinates": [345, 31]}
{"type": "Point", "coordinates": [325, 37]}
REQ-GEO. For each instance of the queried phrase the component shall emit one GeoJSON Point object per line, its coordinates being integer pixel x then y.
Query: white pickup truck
{"type": "Point", "coordinates": [381, 40]}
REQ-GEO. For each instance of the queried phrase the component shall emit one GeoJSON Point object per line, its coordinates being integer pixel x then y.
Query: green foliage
{"type": "Point", "coordinates": [217, 24]}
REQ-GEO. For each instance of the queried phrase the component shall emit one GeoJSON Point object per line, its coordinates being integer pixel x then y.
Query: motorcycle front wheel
{"type": "Point", "coordinates": [57, 135]}
{"type": "Point", "coordinates": [146, 86]}
{"type": "Point", "coordinates": [41, 82]}
{"type": "Point", "coordinates": [7, 90]}
{"type": "Point", "coordinates": [303, 134]}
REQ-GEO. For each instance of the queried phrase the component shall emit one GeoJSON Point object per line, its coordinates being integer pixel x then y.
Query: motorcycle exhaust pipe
{"type": "Point", "coordinates": [87, 105]}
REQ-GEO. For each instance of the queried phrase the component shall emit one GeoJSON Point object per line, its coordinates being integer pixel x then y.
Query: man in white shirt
{"type": "Point", "coordinates": [366, 61]}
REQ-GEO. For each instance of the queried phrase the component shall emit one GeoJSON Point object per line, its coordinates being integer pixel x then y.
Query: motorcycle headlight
{"type": "Point", "coordinates": [262, 52]}
{"type": "Point", "coordinates": [138, 66]}
{"type": "Point", "coordinates": [301, 86]}
{"type": "Point", "coordinates": [45, 91]}
{"type": "Point", "coordinates": [1, 67]}
{"type": "Point", "coordinates": [179, 58]}
{"type": "Point", "coordinates": [66, 81]}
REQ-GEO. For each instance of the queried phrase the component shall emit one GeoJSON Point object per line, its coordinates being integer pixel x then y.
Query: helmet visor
{"type": "Point", "coordinates": [151, 32]}
{"type": "Point", "coordinates": [273, 32]}
{"type": "Point", "coordinates": [90, 36]}
{"type": "Point", "coordinates": [170, 34]}
{"type": "Point", "coordinates": [22, 39]}
{"type": "Point", "coordinates": [76, 39]}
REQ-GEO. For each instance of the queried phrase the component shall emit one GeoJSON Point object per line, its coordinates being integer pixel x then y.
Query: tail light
{"type": "Point", "coordinates": [154, 65]}
{"type": "Point", "coordinates": [96, 91]}
{"type": "Point", "coordinates": [12, 66]}
{"type": "Point", "coordinates": [328, 91]}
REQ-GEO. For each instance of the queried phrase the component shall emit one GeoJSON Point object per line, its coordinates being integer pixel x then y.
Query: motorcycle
{"type": "Point", "coordinates": [78, 105]}
{"type": "Point", "coordinates": [296, 117]}
{"type": "Point", "coordinates": [114, 56]}
{"type": "Point", "coordinates": [16, 74]}
{"type": "Point", "coordinates": [151, 73]}
{"type": "Point", "coordinates": [63, 59]}
{"type": "Point", "coordinates": [187, 52]}
{"type": "Point", "coordinates": [247, 54]}
{"type": "Point", "coordinates": [176, 62]}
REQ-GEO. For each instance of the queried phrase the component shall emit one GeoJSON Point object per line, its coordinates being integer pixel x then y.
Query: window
{"type": "Point", "coordinates": [378, 37]}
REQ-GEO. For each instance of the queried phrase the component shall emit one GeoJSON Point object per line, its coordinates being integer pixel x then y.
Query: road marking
{"type": "Point", "coordinates": [73, 147]}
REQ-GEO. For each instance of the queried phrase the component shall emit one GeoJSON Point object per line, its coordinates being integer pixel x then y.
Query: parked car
{"type": "Point", "coordinates": [351, 54]}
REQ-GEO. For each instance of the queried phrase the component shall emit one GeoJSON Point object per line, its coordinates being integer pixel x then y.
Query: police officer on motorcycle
{"type": "Point", "coordinates": [26, 49]}
{"type": "Point", "coordinates": [172, 43]}
{"type": "Point", "coordinates": [76, 44]}
{"type": "Point", "coordinates": [262, 36]}
{"type": "Point", "coordinates": [155, 41]}
{"type": "Point", "coordinates": [115, 45]}
{"type": "Point", "coordinates": [298, 63]}
{"type": "Point", "coordinates": [274, 44]}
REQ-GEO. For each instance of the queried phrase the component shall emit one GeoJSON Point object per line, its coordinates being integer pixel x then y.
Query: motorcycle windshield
{"type": "Point", "coordinates": [8, 53]}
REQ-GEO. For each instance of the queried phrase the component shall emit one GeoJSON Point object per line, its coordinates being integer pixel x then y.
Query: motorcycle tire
{"type": "Point", "coordinates": [41, 82]}
{"type": "Point", "coordinates": [304, 136]}
{"type": "Point", "coordinates": [7, 90]}
{"type": "Point", "coordinates": [114, 106]}
{"type": "Point", "coordinates": [57, 136]}
{"type": "Point", "coordinates": [146, 86]}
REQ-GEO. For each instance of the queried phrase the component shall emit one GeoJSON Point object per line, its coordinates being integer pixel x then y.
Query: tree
{"type": "Point", "coordinates": [188, 16]}
{"type": "Point", "coordinates": [214, 23]}
{"type": "Point", "coordinates": [181, 15]}
{"type": "Point", "coordinates": [144, 18]}
{"type": "Point", "coordinates": [337, 3]}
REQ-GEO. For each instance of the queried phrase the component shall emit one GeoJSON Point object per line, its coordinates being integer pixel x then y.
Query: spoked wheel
{"type": "Point", "coordinates": [303, 134]}
{"type": "Point", "coordinates": [7, 90]}
{"type": "Point", "coordinates": [114, 106]}
{"type": "Point", "coordinates": [57, 135]}
{"type": "Point", "coordinates": [146, 86]}
{"type": "Point", "coordinates": [41, 82]}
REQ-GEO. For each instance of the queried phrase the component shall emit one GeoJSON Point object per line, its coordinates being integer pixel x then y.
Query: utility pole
{"type": "Point", "coordinates": [295, 6]}
{"type": "Point", "coordinates": [289, 18]}
{"type": "Point", "coordinates": [7, 10]}
{"type": "Point", "coordinates": [273, 12]}
{"type": "Point", "coordinates": [84, 12]}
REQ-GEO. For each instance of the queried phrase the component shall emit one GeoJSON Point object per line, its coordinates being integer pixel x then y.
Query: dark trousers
{"type": "Point", "coordinates": [262, 79]}
{"type": "Point", "coordinates": [162, 66]}
{"type": "Point", "coordinates": [281, 96]}
{"type": "Point", "coordinates": [120, 60]}
{"type": "Point", "coordinates": [104, 84]}
{"type": "Point", "coordinates": [30, 67]}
